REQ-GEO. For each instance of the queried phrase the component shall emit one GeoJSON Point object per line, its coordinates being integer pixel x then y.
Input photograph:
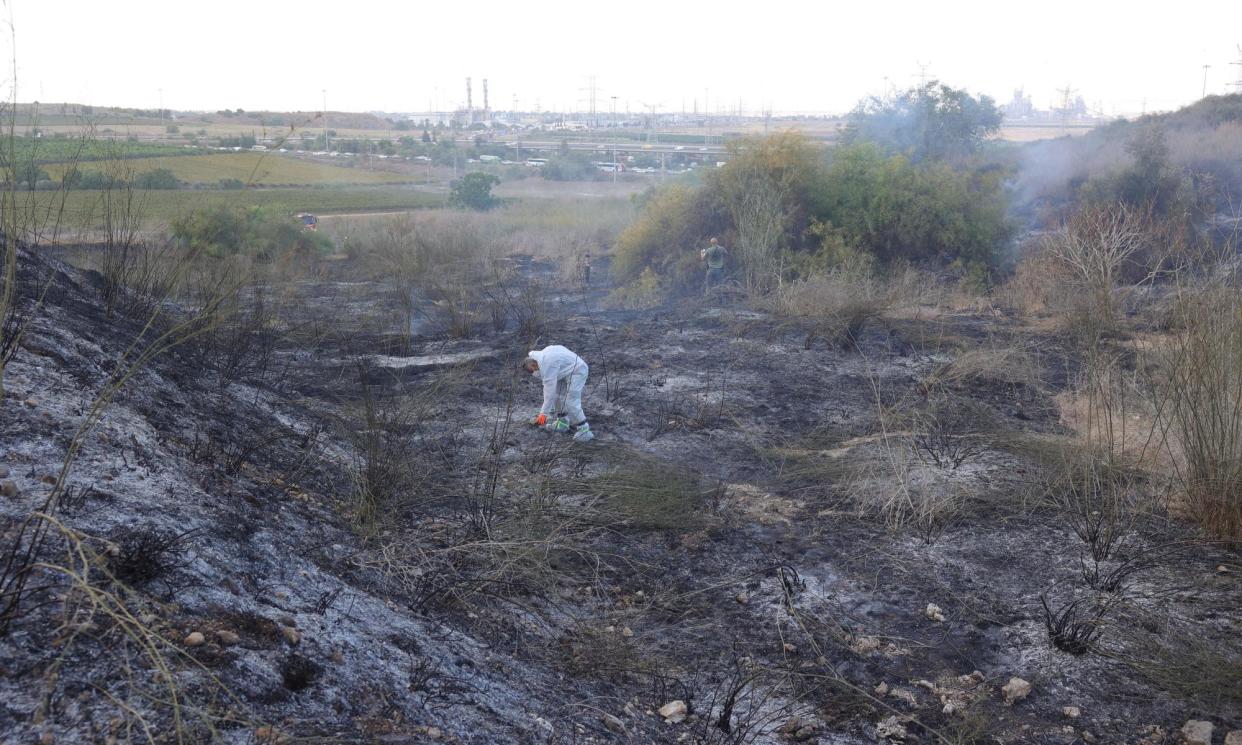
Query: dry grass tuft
{"type": "Point", "coordinates": [832, 308]}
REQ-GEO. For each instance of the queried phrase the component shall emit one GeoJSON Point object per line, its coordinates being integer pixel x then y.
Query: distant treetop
{"type": "Point", "coordinates": [928, 122]}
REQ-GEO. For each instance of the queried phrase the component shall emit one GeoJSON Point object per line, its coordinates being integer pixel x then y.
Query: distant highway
{"type": "Point", "coordinates": [603, 146]}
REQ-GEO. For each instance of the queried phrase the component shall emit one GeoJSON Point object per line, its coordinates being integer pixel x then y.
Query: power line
{"type": "Point", "coordinates": [592, 89]}
{"type": "Point", "coordinates": [922, 74]}
{"type": "Point", "coordinates": [1066, 93]}
{"type": "Point", "coordinates": [1238, 83]}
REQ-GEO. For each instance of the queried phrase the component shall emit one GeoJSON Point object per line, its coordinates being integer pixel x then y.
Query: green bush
{"type": "Point", "coordinates": [257, 232]}
{"type": "Point", "coordinates": [569, 167]}
{"type": "Point", "coordinates": [860, 209]}
{"type": "Point", "coordinates": [75, 179]}
{"type": "Point", "coordinates": [897, 210]}
{"type": "Point", "coordinates": [474, 191]}
{"type": "Point", "coordinates": [667, 235]}
{"type": "Point", "coordinates": [30, 174]}
{"type": "Point", "coordinates": [160, 178]}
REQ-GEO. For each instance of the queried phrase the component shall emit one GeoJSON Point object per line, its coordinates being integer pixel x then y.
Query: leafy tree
{"type": "Point", "coordinates": [159, 178]}
{"type": "Point", "coordinates": [91, 180]}
{"type": "Point", "coordinates": [898, 210]}
{"type": "Point", "coordinates": [474, 191]}
{"type": "Point", "coordinates": [932, 121]}
{"type": "Point", "coordinates": [569, 167]}
{"type": "Point", "coordinates": [246, 141]}
{"type": "Point", "coordinates": [29, 173]}
{"type": "Point", "coordinates": [1150, 179]}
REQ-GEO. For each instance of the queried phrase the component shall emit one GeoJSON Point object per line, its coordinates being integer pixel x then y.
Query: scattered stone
{"type": "Point", "coordinates": [627, 632]}
{"type": "Point", "coordinates": [1073, 712]}
{"type": "Point", "coordinates": [1234, 738]}
{"type": "Point", "coordinates": [674, 711]}
{"type": "Point", "coordinates": [434, 733]}
{"type": "Point", "coordinates": [287, 620]}
{"type": "Point", "coordinates": [31, 403]}
{"type": "Point", "coordinates": [48, 479]}
{"type": "Point", "coordinates": [47, 738]}
{"type": "Point", "coordinates": [891, 729]}
{"type": "Point", "coordinates": [742, 598]}
{"type": "Point", "coordinates": [973, 679]}
{"type": "Point", "coordinates": [789, 648]}
{"type": "Point", "coordinates": [1088, 737]}
{"type": "Point", "coordinates": [906, 696]}
{"type": "Point", "coordinates": [1197, 732]}
{"type": "Point", "coordinates": [1222, 569]}
{"type": "Point", "coordinates": [950, 708]}
{"type": "Point", "coordinates": [292, 635]}
{"type": "Point", "coordinates": [882, 688]}
{"type": "Point", "coordinates": [228, 638]}
{"type": "Point", "coordinates": [791, 725]}
{"type": "Point", "coordinates": [266, 735]}
{"type": "Point", "coordinates": [934, 612]}
{"type": "Point", "coordinates": [805, 733]}
{"type": "Point", "coordinates": [864, 645]}
{"type": "Point", "coordinates": [9, 488]}
{"type": "Point", "coordinates": [337, 657]}
{"type": "Point", "coordinates": [613, 724]}
{"type": "Point", "coordinates": [194, 639]}
{"type": "Point", "coordinates": [4, 472]}
{"type": "Point", "coordinates": [1015, 690]}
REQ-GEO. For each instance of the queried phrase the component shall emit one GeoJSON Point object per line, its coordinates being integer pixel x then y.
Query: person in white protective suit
{"type": "Point", "coordinates": [564, 375]}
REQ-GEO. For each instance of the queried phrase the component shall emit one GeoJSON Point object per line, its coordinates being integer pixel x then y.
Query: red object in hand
{"type": "Point", "coordinates": [541, 420]}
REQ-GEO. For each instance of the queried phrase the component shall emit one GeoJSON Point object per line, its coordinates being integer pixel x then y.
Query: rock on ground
{"type": "Point", "coordinates": [674, 711]}
{"type": "Point", "coordinates": [1197, 732]}
{"type": "Point", "coordinates": [1016, 690]}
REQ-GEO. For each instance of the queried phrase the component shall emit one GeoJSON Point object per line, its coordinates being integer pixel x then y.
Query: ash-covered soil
{"type": "Point", "coordinates": [372, 546]}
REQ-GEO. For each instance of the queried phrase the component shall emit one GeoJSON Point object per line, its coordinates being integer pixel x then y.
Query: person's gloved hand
{"type": "Point", "coordinates": [539, 420]}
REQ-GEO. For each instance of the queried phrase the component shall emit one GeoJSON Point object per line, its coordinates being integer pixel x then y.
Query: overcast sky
{"type": "Point", "coordinates": [779, 54]}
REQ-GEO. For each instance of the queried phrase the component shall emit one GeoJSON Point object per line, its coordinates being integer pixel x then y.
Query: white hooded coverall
{"type": "Point", "coordinates": [564, 374]}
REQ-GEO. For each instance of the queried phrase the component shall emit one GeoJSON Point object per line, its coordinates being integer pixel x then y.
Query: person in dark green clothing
{"type": "Point", "coordinates": [714, 255]}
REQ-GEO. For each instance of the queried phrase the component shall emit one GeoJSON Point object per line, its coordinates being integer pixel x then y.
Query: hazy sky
{"type": "Point", "coordinates": [779, 54]}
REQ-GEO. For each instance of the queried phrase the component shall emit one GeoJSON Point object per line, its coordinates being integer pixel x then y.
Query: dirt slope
{"type": "Point", "coordinates": [706, 548]}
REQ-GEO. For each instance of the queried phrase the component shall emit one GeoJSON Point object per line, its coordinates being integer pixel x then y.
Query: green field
{"type": "Point", "coordinates": [82, 208]}
{"type": "Point", "coordinates": [258, 169]}
{"type": "Point", "coordinates": [48, 150]}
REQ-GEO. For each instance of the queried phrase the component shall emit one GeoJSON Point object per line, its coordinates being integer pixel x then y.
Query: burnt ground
{"type": "Point", "coordinates": [501, 584]}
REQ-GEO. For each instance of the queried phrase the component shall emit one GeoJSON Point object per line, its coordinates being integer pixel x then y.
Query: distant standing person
{"type": "Point", "coordinates": [714, 255]}
{"type": "Point", "coordinates": [586, 269]}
